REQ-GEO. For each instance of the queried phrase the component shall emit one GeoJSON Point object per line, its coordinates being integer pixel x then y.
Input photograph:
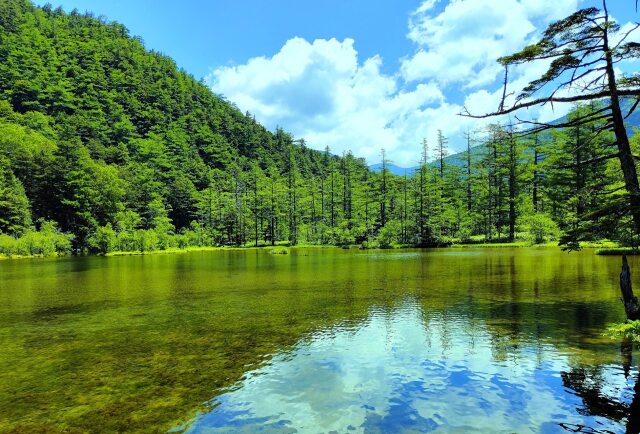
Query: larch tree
{"type": "Point", "coordinates": [423, 200]}
{"type": "Point", "coordinates": [383, 188]}
{"type": "Point", "coordinates": [441, 151]}
{"type": "Point", "coordinates": [469, 138]}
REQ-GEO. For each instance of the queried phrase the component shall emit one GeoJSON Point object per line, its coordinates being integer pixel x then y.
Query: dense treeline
{"type": "Point", "coordinates": [105, 146]}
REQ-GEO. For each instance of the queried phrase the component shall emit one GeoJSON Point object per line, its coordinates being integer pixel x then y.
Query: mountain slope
{"type": "Point", "coordinates": [97, 130]}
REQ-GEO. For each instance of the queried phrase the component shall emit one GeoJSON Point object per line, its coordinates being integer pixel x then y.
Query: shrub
{"type": "Point", "coordinates": [629, 329]}
{"type": "Point", "coordinates": [49, 241]}
{"type": "Point", "coordinates": [389, 235]}
{"type": "Point", "coordinates": [103, 240]}
{"type": "Point", "coordinates": [145, 240]}
{"type": "Point", "coordinates": [539, 228]}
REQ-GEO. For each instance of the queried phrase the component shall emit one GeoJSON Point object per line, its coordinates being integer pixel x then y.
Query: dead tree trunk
{"type": "Point", "coordinates": [631, 306]}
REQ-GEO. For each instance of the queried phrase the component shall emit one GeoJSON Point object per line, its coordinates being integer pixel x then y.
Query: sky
{"type": "Point", "coordinates": [357, 75]}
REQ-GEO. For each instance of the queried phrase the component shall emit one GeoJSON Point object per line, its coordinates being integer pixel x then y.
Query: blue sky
{"type": "Point", "coordinates": [202, 35]}
{"type": "Point", "coordinates": [350, 74]}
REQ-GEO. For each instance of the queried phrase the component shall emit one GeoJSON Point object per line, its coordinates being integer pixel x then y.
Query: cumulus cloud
{"type": "Point", "coordinates": [460, 44]}
{"type": "Point", "coordinates": [302, 79]}
{"type": "Point", "coordinates": [322, 91]}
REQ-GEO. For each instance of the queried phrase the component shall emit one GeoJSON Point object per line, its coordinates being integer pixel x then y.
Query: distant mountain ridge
{"type": "Point", "coordinates": [392, 168]}
{"type": "Point", "coordinates": [459, 158]}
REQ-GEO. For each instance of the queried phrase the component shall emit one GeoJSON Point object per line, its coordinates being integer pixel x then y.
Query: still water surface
{"type": "Point", "coordinates": [322, 340]}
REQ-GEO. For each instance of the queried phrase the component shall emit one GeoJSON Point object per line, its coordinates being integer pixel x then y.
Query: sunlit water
{"type": "Point", "coordinates": [320, 341]}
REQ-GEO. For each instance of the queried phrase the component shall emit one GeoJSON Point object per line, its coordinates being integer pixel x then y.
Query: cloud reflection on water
{"type": "Point", "coordinates": [406, 371]}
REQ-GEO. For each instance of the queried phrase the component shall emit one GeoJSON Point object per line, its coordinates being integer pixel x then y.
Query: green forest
{"type": "Point", "coordinates": [106, 146]}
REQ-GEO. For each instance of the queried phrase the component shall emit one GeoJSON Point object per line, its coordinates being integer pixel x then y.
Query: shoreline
{"type": "Point", "coordinates": [606, 248]}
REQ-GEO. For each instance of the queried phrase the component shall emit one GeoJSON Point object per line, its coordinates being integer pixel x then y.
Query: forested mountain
{"type": "Point", "coordinates": [107, 146]}
{"type": "Point", "coordinates": [97, 132]}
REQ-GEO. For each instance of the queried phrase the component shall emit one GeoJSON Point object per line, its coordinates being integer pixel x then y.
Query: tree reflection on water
{"type": "Point", "coordinates": [590, 384]}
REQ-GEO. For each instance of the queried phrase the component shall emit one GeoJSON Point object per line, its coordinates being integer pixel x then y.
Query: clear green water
{"type": "Point", "coordinates": [322, 340]}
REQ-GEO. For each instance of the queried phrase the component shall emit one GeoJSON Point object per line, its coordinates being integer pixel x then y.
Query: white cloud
{"type": "Point", "coordinates": [324, 92]}
{"type": "Point", "coordinates": [461, 43]}
{"type": "Point", "coordinates": [302, 79]}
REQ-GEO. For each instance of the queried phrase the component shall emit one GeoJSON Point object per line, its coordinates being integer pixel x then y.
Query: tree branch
{"type": "Point", "coordinates": [592, 117]}
{"type": "Point", "coordinates": [633, 108]}
{"type": "Point", "coordinates": [626, 35]}
{"type": "Point", "coordinates": [541, 101]}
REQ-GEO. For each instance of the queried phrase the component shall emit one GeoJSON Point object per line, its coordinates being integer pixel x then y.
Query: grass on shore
{"type": "Point", "coordinates": [604, 245]}
{"type": "Point", "coordinates": [603, 248]}
{"type": "Point", "coordinates": [618, 251]}
{"type": "Point", "coordinates": [4, 257]}
{"type": "Point", "coordinates": [279, 248]}
{"type": "Point", "coordinates": [500, 245]}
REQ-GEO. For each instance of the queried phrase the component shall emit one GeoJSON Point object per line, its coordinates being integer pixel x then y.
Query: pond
{"type": "Point", "coordinates": [320, 340]}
